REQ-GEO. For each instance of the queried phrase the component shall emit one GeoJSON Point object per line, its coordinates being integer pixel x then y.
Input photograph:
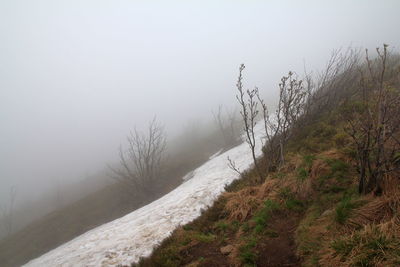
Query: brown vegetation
{"type": "Point", "coordinates": [373, 123]}
{"type": "Point", "coordinates": [307, 210]}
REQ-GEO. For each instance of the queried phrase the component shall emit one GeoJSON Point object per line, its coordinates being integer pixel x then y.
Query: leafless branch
{"type": "Point", "coordinates": [140, 163]}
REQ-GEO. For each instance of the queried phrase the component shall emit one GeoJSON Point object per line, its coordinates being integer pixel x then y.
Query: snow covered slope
{"type": "Point", "coordinates": [127, 239]}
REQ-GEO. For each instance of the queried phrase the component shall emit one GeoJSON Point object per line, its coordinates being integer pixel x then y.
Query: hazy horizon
{"type": "Point", "coordinates": [76, 77]}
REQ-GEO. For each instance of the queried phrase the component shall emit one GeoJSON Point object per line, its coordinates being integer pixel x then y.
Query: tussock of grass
{"type": "Point", "coordinates": [352, 230]}
{"type": "Point", "coordinates": [222, 226]}
{"type": "Point", "coordinates": [247, 254]}
{"type": "Point", "coordinates": [367, 247]}
{"type": "Point", "coordinates": [302, 173]}
{"type": "Point", "coordinates": [290, 201]}
{"type": "Point", "coordinates": [377, 209]}
{"type": "Point", "coordinates": [241, 205]}
{"type": "Point", "coordinates": [344, 208]}
{"type": "Point", "coordinates": [294, 204]}
{"type": "Point", "coordinates": [339, 169]}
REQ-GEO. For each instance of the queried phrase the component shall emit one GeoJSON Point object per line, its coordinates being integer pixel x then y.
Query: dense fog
{"type": "Point", "coordinates": [77, 76]}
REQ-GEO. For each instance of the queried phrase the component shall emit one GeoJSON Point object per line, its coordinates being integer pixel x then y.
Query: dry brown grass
{"type": "Point", "coordinates": [234, 256]}
{"type": "Point", "coordinates": [374, 245]}
{"type": "Point", "coordinates": [305, 190]}
{"type": "Point", "coordinates": [242, 204]}
{"type": "Point", "coordinates": [293, 161]}
{"type": "Point", "coordinates": [371, 235]}
{"type": "Point", "coordinates": [320, 166]}
{"type": "Point", "coordinates": [378, 209]}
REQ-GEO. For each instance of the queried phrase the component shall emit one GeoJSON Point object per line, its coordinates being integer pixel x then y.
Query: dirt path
{"type": "Point", "coordinates": [273, 250]}
{"type": "Point", "coordinates": [280, 250]}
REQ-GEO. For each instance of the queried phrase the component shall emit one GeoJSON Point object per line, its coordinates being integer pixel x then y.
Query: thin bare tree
{"type": "Point", "coordinates": [279, 126]}
{"type": "Point", "coordinates": [248, 111]}
{"type": "Point", "coordinates": [227, 125]}
{"type": "Point", "coordinates": [141, 161]}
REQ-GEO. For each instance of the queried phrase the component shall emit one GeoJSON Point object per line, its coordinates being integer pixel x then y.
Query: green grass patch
{"type": "Point", "coordinates": [247, 254]}
{"type": "Point", "coordinates": [186, 240]}
{"type": "Point", "coordinates": [344, 208]}
{"type": "Point", "coordinates": [294, 204]}
{"type": "Point", "coordinates": [222, 226]}
{"type": "Point", "coordinates": [302, 174]}
{"type": "Point", "coordinates": [187, 227]}
{"type": "Point", "coordinates": [235, 225]}
{"type": "Point", "coordinates": [205, 238]}
{"type": "Point", "coordinates": [290, 201]}
{"type": "Point", "coordinates": [343, 247]}
{"type": "Point", "coordinates": [304, 170]}
{"type": "Point", "coordinates": [339, 178]}
{"type": "Point", "coordinates": [285, 193]}
{"type": "Point", "coordinates": [261, 218]}
{"type": "Point", "coordinates": [249, 178]}
{"type": "Point", "coordinates": [307, 243]}
{"type": "Point", "coordinates": [314, 137]}
{"type": "Point", "coordinates": [278, 175]}
{"type": "Point", "coordinates": [339, 169]}
{"type": "Point", "coordinates": [167, 255]}
{"type": "Point", "coordinates": [246, 227]}
{"type": "Point", "coordinates": [308, 160]}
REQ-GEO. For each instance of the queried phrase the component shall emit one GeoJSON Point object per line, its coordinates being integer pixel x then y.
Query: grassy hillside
{"type": "Point", "coordinates": [307, 212]}
{"type": "Point", "coordinates": [312, 209]}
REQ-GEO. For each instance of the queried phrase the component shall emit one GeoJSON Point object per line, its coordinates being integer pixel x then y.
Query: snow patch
{"type": "Point", "coordinates": [127, 239]}
{"type": "Point", "coordinates": [188, 176]}
{"type": "Point", "coordinates": [216, 154]}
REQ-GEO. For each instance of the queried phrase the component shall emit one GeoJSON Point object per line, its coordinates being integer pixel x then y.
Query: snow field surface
{"type": "Point", "coordinates": [127, 239]}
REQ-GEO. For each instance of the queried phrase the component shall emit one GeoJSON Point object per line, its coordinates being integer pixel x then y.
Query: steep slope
{"type": "Point", "coordinates": [126, 240]}
{"type": "Point", "coordinates": [314, 208]}
{"type": "Point", "coordinates": [306, 214]}
{"type": "Point", "coordinates": [105, 205]}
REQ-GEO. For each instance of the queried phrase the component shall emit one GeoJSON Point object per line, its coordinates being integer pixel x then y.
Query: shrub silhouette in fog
{"type": "Point", "coordinates": [140, 162]}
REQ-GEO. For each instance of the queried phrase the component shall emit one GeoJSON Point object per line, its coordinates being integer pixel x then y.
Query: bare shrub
{"type": "Point", "coordinates": [248, 111]}
{"type": "Point", "coordinates": [141, 161]}
{"type": "Point", "coordinates": [278, 127]}
{"type": "Point", "coordinates": [227, 124]}
{"type": "Point", "coordinates": [334, 83]}
{"type": "Point", "coordinates": [373, 122]}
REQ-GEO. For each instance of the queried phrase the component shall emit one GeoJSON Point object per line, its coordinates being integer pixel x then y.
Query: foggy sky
{"type": "Point", "coordinates": [76, 76]}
